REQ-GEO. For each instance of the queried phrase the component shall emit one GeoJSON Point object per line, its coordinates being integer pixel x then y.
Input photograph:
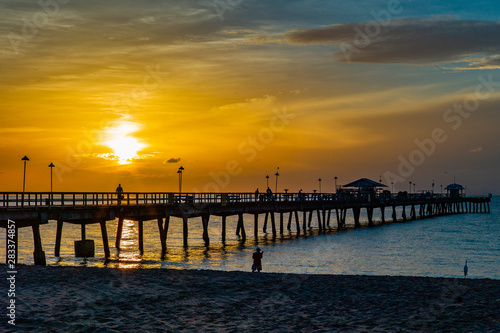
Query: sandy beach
{"type": "Point", "coordinates": [82, 299]}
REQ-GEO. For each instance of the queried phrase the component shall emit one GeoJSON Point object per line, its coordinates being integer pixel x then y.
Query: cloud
{"type": "Point", "coordinates": [173, 160]}
{"type": "Point", "coordinates": [476, 150]}
{"type": "Point", "coordinates": [482, 63]}
{"type": "Point", "coordinates": [408, 41]}
{"type": "Point", "coordinates": [20, 130]}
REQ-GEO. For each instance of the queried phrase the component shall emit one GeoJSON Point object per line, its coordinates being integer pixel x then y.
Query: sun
{"type": "Point", "coordinates": [121, 140]}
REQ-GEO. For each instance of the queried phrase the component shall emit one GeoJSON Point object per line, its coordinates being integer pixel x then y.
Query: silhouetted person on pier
{"type": "Point", "coordinates": [300, 197]}
{"type": "Point", "coordinates": [257, 260]}
{"type": "Point", "coordinates": [256, 194]}
{"type": "Point", "coordinates": [269, 194]}
{"type": "Point", "coordinates": [119, 193]}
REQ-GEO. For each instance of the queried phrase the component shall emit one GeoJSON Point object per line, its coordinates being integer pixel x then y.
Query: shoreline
{"type": "Point", "coordinates": [109, 299]}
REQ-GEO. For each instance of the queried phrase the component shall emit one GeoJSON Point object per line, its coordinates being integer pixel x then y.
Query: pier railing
{"type": "Point", "coordinates": [93, 199]}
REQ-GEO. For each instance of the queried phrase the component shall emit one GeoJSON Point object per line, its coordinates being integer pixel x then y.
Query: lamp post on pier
{"type": "Point", "coordinates": [25, 159]}
{"type": "Point", "coordinates": [319, 181]}
{"type": "Point", "coordinates": [277, 175]}
{"type": "Point", "coordinates": [180, 181]}
{"type": "Point", "coordinates": [414, 191]}
{"type": "Point", "coordinates": [267, 181]}
{"type": "Point", "coordinates": [335, 178]}
{"type": "Point", "coordinates": [392, 187]}
{"type": "Point", "coordinates": [410, 187]}
{"type": "Point", "coordinates": [51, 166]}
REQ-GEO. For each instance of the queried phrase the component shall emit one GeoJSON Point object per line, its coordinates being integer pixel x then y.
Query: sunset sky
{"type": "Point", "coordinates": [128, 91]}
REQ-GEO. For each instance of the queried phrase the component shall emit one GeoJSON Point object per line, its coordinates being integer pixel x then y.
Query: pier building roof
{"type": "Point", "coordinates": [454, 186]}
{"type": "Point", "coordinates": [364, 182]}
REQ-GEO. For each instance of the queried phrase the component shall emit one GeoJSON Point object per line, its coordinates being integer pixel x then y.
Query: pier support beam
{"type": "Point", "coordinates": [84, 248]}
{"type": "Point", "coordinates": [304, 221]}
{"type": "Point", "coordinates": [281, 223]}
{"type": "Point", "coordinates": [394, 215]}
{"type": "Point", "coordinates": [58, 238]}
{"type": "Point", "coordinates": [404, 213]}
{"type": "Point", "coordinates": [224, 217]}
{"type": "Point", "coordinates": [256, 226]}
{"type": "Point", "coordinates": [141, 236]}
{"type": "Point", "coordinates": [264, 228]}
{"type": "Point", "coordinates": [320, 223]}
{"type": "Point", "coordinates": [369, 213]}
{"type": "Point", "coordinates": [38, 254]}
{"type": "Point", "coordinates": [119, 230]}
{"type": "Point", "coordinates": [382, 213]}
{"type": "Point", "coordinates": [185, 230]}
{"type": "Point", "coordinates": [273, 224]}
{"type": "Point", "coordinates": [356, 212]}
{"type": "Point", "coordinates": [343, 213]}
{"type": "Point", "coordinates": [105, 242]}
{"type": "Point", "coordinates": [241, 226]}
{"type": "Point", "coordinates": [163, 237]}
{"type": "Point", "coordinates": [204, 220]}
{"type": "Point", "coordinates": [289, 225]}
{"type": "Point", "coordinates": [297, 223]}
{"type": "Point", "coordinates": [83, 231]}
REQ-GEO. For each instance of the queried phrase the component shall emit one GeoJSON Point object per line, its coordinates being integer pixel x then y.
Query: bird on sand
{"type": "Point", "coordinates": [466, 269]}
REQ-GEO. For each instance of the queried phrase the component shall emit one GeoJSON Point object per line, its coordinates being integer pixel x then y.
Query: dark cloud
{"type": "Point", "coordinates": [416, 41]}
{"type": "Point", "coordinates": [173, 160]}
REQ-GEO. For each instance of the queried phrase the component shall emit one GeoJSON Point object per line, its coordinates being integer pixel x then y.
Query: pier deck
{"type": "Point", "coordinates": [30, 209]}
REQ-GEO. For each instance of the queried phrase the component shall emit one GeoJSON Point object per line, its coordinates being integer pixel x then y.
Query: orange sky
{"type": "Point", "coordinates": [127, 93]}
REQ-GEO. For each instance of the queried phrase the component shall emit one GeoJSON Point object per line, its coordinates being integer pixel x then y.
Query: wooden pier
{"type": "Point", "coordinates": [293, 212]}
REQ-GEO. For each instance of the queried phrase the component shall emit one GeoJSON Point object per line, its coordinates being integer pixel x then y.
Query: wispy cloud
{"type": "Point", "coordinates": [173, 160]}
{"type": "Point", "coordinates": [21, 130]}
{"type": "Point", "coordinates": [476, 150]}
{"type": "Point", "coordinates": [410, 41]}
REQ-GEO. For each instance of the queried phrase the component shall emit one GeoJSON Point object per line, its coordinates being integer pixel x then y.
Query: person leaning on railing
{"type": "Point", "coordinates": [119, 193]}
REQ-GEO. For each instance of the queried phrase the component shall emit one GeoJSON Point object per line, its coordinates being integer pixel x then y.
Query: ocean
{"type": "Point", "coordinates": [436, 247]}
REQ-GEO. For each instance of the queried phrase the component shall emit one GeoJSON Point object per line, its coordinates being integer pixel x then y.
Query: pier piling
{"type": "Point", "coordinates": [38, 254]}
{"type": "Point", "coordinates": [58, 237]}
{"type": "Point", "coordinates": [185, 230]}
{"type": "Point", "coordinates": [223, 222]}
{"type": "Point", "coordinates": [105, 242]}
{"type": "Point", "coordinates": [119, 230]}
{"type": "Point", "coordinates": [140, 225]}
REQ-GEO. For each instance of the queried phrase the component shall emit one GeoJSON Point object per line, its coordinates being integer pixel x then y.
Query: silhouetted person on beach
{"type": "Point", "coordinates": [257, 260]}
{"type": "Point", "coordinates": [119, 193]}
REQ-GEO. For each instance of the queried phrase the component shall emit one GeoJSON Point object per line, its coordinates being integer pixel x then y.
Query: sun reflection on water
{"type": "Point", "coordinates": [129, 255]}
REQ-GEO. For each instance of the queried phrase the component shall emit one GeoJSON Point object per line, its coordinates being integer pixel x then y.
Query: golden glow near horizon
{"type": "Point", "coordinates": [120, 139]}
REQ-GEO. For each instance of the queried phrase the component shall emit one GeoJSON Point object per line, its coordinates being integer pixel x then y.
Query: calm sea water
{"type": "Point", "coordinates": [431, 247]}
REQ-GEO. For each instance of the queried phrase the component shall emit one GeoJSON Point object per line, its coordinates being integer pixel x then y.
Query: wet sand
{"type": "Point", "coordinates": [82, 299]}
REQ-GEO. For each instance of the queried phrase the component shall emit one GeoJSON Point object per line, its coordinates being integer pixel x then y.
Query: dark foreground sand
{"type": "Point", "coordinates": [80, 299]}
